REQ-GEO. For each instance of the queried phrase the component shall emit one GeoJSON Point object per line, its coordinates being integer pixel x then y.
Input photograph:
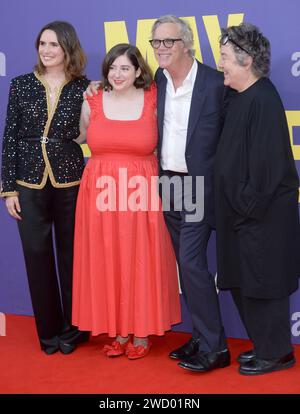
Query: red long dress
{"type": "Point", "coordinates": [125, 276]}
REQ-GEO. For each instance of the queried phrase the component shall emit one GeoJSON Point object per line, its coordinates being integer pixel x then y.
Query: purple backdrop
{"type": "Point", "coordinates": [20, 22]}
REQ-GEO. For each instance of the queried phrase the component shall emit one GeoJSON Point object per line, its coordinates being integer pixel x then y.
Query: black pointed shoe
{"type": "Point", "coordinates": [258, 366]}
{"type": "Point", "coordinates": [246, 356]}
{"type": "Point", "coordinates": [206, 361]}
{"type": "Point", "coordinates": [186, 351]}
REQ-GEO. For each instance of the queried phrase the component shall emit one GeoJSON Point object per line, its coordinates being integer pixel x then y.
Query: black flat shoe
{"type": "Point", "coordinates": [264, 366]}
{"type": "Point", "coordinates": [206, 361]}
{"type": "Point", "coordinates": [186, 351]}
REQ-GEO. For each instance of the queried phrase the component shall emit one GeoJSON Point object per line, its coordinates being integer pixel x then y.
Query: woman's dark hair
{"type": "Point", "coordinates": [75, 59]}
{"type": "Point", "coordinates": [134, 55]}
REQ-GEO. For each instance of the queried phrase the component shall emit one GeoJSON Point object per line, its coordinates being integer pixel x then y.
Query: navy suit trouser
{"type": "Point", "coordinates": [190, 241]}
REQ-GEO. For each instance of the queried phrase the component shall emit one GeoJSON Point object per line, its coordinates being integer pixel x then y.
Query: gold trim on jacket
{"type": "Point", "coordinates": [48, 170]}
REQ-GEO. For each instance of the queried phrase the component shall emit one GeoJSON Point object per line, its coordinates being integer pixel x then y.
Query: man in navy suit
{"type": "Point", "coordinates": [189, 108]}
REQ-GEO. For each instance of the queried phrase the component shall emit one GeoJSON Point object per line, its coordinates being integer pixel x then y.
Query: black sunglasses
{"type": "Point", "coordinates": [168, 43]}
{"type": "Point", "coordinates": [228, 38]}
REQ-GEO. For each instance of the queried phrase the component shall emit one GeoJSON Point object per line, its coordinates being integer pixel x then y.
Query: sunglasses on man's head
{"type": "Point", "coordinates": [228, 38]}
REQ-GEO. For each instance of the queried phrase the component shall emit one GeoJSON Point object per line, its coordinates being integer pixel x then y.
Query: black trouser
{"type": "Point", "coordinates": [267, 322]}
{"type": "Point", "coordinates": [51, 295]}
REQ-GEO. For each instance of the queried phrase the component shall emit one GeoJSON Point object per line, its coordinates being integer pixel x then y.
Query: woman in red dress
{"type": "Point", "coordinates": [125, 276]}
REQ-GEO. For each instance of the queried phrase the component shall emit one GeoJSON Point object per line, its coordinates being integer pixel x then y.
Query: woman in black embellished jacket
{"type": "Point", "coordinates": [41, 169]}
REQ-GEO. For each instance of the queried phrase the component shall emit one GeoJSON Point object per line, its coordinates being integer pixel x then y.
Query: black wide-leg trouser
{"type": "Point", "coordinates": [42, 211]}
{"type": "Point", "coordinates": [267, 322]}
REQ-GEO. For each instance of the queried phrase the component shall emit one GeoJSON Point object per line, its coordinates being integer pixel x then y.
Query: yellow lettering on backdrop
{"type": "Point", "coordinates": [143, 35]}
{"type": "Point", "coordinates": [86, 150]}
{"type": "Point", "coordinates": [115, 32]}
{"type": "Point", "coordinates": [293, 119]}
{"type": "Point", "coordinates": [213, 30]}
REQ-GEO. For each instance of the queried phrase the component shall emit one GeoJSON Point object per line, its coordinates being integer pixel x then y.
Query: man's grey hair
{"type": "Point", "coordinates": [252, 40]}
{"type": "Point", "coordinates": [186, 32]}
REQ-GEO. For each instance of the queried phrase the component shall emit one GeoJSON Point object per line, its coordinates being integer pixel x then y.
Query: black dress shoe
{"type": "Point", "coordinates": [206, 361]}
{"type": "Point", "coordinates": [246, 356]}
{"type": "Point", "coordinates": [66, 348]}
{"type": "Point", "coordinates": [187, 350]}
{"type": "Point", "coordinates": [258, 366]}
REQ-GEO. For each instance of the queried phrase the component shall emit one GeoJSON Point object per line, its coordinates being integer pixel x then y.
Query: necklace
{"type": "Point", "coordinates": [53, 86]}
{"type": "Point", "coordinates": [53, 91]}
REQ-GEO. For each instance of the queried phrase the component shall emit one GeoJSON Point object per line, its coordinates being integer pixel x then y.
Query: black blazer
{"type": "Point", "coordinates": [28, 163]}
{"type": "Point", "coordinates": [204, 126]}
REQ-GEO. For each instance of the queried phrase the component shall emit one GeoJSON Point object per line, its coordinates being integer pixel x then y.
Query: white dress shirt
{"type": "Point", "coordinates": [177, 110]}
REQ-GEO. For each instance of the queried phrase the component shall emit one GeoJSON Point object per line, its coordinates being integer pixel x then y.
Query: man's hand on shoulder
{"type": "Point", "coordinates": [92, 89]}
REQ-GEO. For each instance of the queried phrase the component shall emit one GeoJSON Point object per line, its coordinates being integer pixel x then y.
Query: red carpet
{"type": "Point", "coordinates": [26, 370]}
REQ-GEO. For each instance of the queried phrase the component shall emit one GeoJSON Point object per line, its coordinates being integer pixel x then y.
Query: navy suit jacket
{"type": "Point", "coordinates": [204, 127]}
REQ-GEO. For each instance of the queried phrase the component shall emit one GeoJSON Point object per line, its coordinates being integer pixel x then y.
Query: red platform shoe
{"type": "Point", "coordinates": [116, 349]}
{"type": "Point", "coordinates": [139, 351]}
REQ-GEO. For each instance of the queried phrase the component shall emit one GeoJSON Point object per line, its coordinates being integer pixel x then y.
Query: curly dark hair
{"type": "Point", "coordinates": [247, 39]}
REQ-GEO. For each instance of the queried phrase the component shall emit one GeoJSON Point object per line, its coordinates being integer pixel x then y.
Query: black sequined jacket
{"type": "Point", "coordinates": [29, 115]}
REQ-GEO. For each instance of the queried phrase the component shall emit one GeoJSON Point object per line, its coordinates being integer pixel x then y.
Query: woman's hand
{"type": "Point", "coordinates": [92, 89]}
{"type": "Point", "coordinates": [13, 206]}
{"type": "Point", "coordinates": [81, 139]}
